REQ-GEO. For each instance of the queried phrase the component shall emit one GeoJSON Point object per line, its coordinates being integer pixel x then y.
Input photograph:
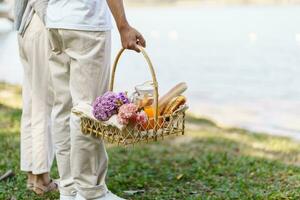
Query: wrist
{"type": "Point", "coordinates": [123, 26]}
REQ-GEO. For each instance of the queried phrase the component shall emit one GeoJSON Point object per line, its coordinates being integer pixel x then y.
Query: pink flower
{"type": "Point", "coordinates": [141, 117]}
{"type": "Point", "coordinates": [126, 113]}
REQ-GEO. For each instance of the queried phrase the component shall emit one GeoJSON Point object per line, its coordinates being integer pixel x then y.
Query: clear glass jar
{"type": "Point", "coordinates": [144, 94]}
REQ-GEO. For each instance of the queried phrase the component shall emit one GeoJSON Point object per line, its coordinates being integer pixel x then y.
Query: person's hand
{"type": "Point", "coordinates": [131, 38]}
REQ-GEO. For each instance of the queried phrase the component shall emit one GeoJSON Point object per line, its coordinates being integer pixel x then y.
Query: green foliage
{"type": "Point", "coordinates": [207, 163]}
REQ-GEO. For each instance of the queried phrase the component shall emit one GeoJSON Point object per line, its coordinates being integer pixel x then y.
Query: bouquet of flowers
{"type": "Point", "coordinates": [111, 104]}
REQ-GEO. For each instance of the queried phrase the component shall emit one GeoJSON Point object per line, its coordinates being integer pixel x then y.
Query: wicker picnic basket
{"type": "Point", "coordinates": [156, 128]}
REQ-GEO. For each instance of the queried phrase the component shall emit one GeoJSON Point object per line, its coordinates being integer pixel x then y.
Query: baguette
{"type": "Point", "coordinates": [174, 92]}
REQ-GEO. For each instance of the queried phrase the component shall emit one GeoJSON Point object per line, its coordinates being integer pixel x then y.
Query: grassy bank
{"type": "Point", "coordinates": [207, 163]}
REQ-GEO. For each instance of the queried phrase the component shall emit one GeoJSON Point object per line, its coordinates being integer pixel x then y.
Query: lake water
{"type": "Point", "coordinates": [242, 64]}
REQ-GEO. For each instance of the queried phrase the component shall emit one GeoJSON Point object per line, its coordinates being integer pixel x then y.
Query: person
{"type": "Point", "coordinates": [80, 41]}
{"type": "Point", "coordinates": [36, 141]}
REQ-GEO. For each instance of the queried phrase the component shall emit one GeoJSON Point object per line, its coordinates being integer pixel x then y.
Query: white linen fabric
{"type": "Point", "coordinates": [80, 68]}
{"type": "Point", "coordinates": [24, 11]}
{"type": "Point", "coordinates": [36, 140]}
{"type": "Point", "coordinates": [86, 15]}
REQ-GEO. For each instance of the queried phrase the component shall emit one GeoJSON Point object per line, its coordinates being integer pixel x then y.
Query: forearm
{"type": "Point", "coordinates": [130, 37]}
{"type": "Point", "coordinates": [118, 11]}
{"type": "Point", "coordinates": [40, 7]}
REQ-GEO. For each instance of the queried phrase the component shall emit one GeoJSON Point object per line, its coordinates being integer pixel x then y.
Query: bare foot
{"type": "Point", "coordinates": [30, 181]}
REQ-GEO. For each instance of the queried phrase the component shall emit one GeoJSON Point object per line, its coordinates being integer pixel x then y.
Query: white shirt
{"type": "Point", "coordinates": [25, 14]}
{"type": "Point", "coordinates": [86, 15]}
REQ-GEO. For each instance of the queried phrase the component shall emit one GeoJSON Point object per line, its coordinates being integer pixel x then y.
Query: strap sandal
{"type": "Point", "coordinates": [42, 189]}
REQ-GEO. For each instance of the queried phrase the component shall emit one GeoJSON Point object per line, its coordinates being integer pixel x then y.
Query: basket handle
{"type": "Point", "coordinates": [155, 84]}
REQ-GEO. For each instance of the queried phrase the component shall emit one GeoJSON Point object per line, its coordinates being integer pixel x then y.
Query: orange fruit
{"type": "Point", "coordinates": [150, 123]}
{"type": "Point", "coordinates": [149, 111]}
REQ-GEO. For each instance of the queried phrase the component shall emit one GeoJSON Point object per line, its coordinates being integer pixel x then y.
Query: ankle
{"type": "Point", "coordinates": [46, 178]}
{"type": "Point", "coordinates": [30, 177]}
{"type": "Point", "coordinates": [42, 179]}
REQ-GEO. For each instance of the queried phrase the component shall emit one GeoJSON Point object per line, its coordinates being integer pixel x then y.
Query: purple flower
{"type": "Point", "coordinates": [107, 105]}
{"type": "Point", "coordinates": [123, 98]}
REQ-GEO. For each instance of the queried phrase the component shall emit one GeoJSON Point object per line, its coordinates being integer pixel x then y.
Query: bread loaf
{"type": "Point", "coordinates": [174, 92]}
{"type": "Point", "coordinates": [173, 105]}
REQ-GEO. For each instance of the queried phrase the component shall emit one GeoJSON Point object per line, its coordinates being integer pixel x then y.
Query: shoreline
{"type": "Point", "coordinates": [194, 120]}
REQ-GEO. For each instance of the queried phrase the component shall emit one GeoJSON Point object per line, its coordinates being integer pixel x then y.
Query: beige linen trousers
{"type": "Point", "coordinates": [36, 142]}
{"type": "Point", "coordinates": [80, 68]}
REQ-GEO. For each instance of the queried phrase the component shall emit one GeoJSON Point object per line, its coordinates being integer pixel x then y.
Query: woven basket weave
{"type": "Point", "coordinates": [156, 128]}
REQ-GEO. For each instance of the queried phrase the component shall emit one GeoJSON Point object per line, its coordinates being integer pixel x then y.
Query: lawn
{"type": "Point", "coordinates": [208, 162]}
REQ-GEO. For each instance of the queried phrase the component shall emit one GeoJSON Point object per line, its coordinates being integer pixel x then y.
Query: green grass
{"type": "Point", "coordinates": [207, 163]}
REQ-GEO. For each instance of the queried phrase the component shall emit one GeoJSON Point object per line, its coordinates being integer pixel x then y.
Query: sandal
{"type": "Point", "coordinates": [41, 189]}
